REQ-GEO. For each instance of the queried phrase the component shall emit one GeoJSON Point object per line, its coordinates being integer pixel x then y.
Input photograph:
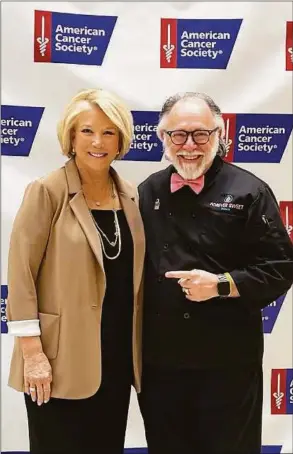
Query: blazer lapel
{"type": "Point", "coordinates": [81, 211]}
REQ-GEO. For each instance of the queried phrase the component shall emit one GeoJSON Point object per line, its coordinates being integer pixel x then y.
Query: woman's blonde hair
{"type": "Point", "coordinates": [111, 105]}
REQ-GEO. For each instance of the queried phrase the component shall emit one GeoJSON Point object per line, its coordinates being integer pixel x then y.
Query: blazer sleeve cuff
{"type": "Point", "coordinates": [24, 328]}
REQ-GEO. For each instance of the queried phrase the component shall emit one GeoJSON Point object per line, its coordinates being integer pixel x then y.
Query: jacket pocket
{"type": "Point", "coordinates": [50, 327]}
{"type": "Point", "coordinates": [223, 232]}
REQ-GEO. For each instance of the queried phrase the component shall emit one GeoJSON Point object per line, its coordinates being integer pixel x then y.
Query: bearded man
{"type": "Point", "coordinates": [217, 253]}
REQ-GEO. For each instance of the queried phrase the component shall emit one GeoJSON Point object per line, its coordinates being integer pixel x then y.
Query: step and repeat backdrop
{"type": "Point", "coordinates": [240, 54]}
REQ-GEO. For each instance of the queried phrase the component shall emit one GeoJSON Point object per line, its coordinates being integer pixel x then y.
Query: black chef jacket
{"type": "Point", "coordinates": [233, 225]}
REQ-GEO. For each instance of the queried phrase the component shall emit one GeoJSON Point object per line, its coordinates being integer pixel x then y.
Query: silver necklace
{"type": "Point", "coordinates": [117, 233]}
{"type": "Point", "coordinates": [103, 236]}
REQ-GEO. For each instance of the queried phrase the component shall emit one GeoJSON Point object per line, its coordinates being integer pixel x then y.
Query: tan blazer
{"type": "Point", "coordinates": [56, 275]}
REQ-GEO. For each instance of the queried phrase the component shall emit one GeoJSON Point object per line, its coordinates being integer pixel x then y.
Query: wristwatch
{"type": "Point", "coordinates": [223, 286]}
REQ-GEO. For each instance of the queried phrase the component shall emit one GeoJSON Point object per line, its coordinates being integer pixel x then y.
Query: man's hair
{"type": "Point", "coordinates": [216, 111]}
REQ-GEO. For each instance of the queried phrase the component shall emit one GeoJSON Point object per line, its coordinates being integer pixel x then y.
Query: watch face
{"type": "Point", "coordinates": [224, 287]}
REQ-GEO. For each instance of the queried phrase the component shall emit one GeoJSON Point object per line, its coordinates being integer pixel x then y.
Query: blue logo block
{"type": "Point", "coordinates": [4, 294]}
{"type": "Point", "coordinates": [262, 137]}
{"type": "Point", "coordinates": [271, 449]}
{"type": "Point", "coordinates": [289, 392]}
{"type": "Point", "coordinates": [205, 43]}
{"type": "Point", "coordinates": [146, 145]}
{"type": "Point", "coordinates": [18, 129]}
{"type": "Point", "coordinates": [270, 314]}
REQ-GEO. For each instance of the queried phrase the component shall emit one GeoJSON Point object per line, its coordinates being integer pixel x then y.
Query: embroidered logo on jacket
{"type": "Point", "coordinates": [226, 204]}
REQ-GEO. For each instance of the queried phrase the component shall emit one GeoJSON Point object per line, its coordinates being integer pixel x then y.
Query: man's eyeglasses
{"type": "Point", "coordinates": [199, 136]}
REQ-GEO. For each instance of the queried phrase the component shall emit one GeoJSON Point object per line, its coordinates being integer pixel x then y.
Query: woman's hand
{"type": "Point", "coordinates": [37, 370]}
{"type": "Point", "coordinates": [38, 377]}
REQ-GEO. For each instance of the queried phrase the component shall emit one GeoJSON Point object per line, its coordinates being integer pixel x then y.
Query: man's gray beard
{"type": "Point", "coordinates": [193, 171]}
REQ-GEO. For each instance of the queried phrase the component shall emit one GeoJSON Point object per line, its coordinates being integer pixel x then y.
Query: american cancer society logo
{"type": "Point", "coordinates": [72, 38]}
{"type": "Point", "coordinates": [197, 43]}
{"type": "Point", "coordinates": [146, 145]}
{"type": "Point", "coordinates": [286, 210]}
{"type": "Point", "coordinates": [289, 46]}
{"type": "Point", "coordinates": [270, 314]}
{"type": "Point", "coordinates": [4, 294]}
{"type": "Point", "coordinates": [19, 125]}
{"type": "Point", "coordinates": [256, 137]}
{"type": "Point", "coordinates": [282, 392]}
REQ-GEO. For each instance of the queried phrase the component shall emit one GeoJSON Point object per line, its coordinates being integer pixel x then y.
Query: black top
{"type": "Point", "coordinates": [117, 310]}
{"type": "Point", "coordinates": [233, 225]}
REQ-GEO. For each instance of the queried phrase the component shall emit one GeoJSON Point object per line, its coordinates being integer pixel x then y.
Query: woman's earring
{"type": "Point", "coordinates": [73, 153]}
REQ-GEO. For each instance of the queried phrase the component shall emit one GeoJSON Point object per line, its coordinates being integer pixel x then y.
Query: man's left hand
{"type": "Point", "coordinates": [198, 285]}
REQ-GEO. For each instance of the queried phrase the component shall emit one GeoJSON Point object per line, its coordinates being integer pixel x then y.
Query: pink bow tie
{"type": "Point", "coordinates": [177, 182]}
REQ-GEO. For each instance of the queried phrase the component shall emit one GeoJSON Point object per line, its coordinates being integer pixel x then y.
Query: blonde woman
{"type": "Point", "coordinates": [75, 270]}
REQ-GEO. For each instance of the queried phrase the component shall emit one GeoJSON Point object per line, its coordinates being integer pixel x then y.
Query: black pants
{"type": "Point", "coordinates": [202, 411]}
{"type": "Point", "coordinates": [95, 425]}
